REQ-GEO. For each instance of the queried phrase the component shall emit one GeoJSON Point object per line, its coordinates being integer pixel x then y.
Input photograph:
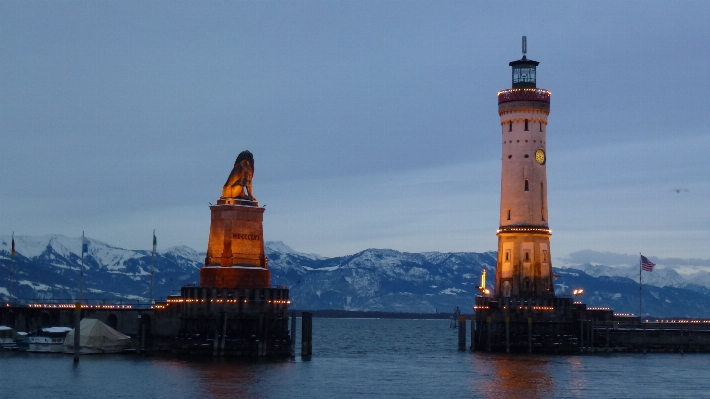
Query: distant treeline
{"type": "Point", "coordinates": [355, 314]}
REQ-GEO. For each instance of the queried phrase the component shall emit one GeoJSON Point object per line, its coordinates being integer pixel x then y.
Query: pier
{"type": "Point", "coordinates": [199, 321]}
{"type": "Point", "coordinates": [559, 325]}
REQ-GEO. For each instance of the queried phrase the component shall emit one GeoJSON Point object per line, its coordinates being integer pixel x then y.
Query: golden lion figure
{"type": "Point", "coordinates": [238, 183]}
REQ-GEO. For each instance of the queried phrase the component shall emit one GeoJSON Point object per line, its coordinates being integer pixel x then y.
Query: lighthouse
{"type": "Point", "coordinates": [524, 265]}
{"type": "Point", "coordinates": [523, 314]}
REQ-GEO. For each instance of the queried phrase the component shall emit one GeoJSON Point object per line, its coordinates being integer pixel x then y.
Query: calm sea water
{"type": "Point", "coordinates": [362, 358]}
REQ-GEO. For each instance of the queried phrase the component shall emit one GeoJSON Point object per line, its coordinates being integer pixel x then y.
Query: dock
{"type": "Point", "coordinates": [559, 325]}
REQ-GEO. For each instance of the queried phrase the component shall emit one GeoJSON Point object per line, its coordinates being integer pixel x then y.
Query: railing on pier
{"type": "Point", "coordinates": [59, 303]}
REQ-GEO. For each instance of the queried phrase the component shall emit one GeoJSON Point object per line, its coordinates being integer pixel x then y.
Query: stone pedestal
{"type": "Point", "coordinates": [235, 252]}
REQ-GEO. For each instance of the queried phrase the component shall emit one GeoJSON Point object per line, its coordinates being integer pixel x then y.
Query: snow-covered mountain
{"type": "Point", "coordinates": [50, 266]}
{"type": "Point", "coordinates": [668, 272]}
{"type": "Point", "coordinates": [380, 279]}
{"type": "Point", "coordinates": [373, 279]}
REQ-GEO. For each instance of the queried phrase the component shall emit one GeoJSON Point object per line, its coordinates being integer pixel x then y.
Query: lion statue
{"type": "Point", "coordinates": [238, 184]}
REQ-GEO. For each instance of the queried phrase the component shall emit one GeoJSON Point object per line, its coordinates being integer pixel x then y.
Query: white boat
{"type": "Point", "coordinates": [96, 337]}
{"type": "Point", "coordinates": [8, 338]}
{"type": "Point", "coordinates": [48, 340]}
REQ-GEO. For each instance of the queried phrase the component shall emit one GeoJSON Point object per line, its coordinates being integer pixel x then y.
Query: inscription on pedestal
{"type": "Point", "coordinates": [250, 237]}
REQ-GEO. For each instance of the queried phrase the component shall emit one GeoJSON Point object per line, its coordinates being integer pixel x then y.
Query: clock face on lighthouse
{"type": "Point", "coordinates": [540, 156]}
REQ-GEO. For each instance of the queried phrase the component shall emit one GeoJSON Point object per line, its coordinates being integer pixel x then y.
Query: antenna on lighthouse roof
{"type": "Point", "coordinates": [525, 45]}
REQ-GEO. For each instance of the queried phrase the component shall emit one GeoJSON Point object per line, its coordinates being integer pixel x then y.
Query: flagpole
{"type": "Point", "coordinates": [12, 267]}
{"type": "Point", "coordinates": [81, 281]}
{"type": "Point", "coordinates": [640, 290]}
{"type": "Point", "coordinates": [152, 270]}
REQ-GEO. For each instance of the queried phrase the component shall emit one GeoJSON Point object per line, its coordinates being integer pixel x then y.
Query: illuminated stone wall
{"type": "Point", "coordinates": [235, 252]}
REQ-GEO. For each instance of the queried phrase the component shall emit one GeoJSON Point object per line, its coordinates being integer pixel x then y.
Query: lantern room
{"type": "Point", "coordinates": [524, 70]}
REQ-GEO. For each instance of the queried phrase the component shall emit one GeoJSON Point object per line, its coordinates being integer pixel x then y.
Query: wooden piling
{"type": "Point", "coordinates": [462, 333]}
{"type": "Point", "coordinates": [591, 333]}
{"type": "Point", "coordinates": [265, 337]}
{"type": "Point", "coordinates": [142, 335]}
{"type": "Point", "coordinates": [306, 335]}
{"type": "Point", "coordinates": [293, 334]}
{"type": "Point", "coordinates": [473, 335]}
{"type": "Point", "coordinates": [529, 334]}
{"type": "Point", "coordinates": [488, 335]}
{"type": "Point", "coordinates": [223, 337]}
{"type": "Point", "coordinates": [581, 335]}
{"type": "Point", "coordinates": [77, 331]}
{"type": "Point", "coordinates": [260, 345]}
{"type": "Point", "coordinates": [507, 334]}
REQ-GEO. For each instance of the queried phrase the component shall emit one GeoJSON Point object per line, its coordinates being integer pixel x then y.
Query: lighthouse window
{"type": "Point", "coordinates": [540, 126]}
{"type": "Point", "coordinates": [526, 185]}
{"type": "Point", "coordinates": [527, 256]}
{"type": "Point", "coordinates": [510, 156]}
{"type": "Point", "coordinates": [510, 126]}
{"type": "Point", "coordinates": [508, 214]}
{"type": "Point", "coordinates": [526, 125]}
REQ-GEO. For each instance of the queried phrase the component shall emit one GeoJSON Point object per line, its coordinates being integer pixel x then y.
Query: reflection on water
{"type": "Point", "coordinates": [222, 378]}
{"type": "Point", "coordinates": [514, 376]}
{"type": "Point", "coordinates": [576, 381]}
{"type": "Point", "coordinates": [360, 359]}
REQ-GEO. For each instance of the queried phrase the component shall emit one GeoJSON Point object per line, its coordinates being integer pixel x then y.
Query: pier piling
{"type": "Point", "coordinates": [507, 334]}
{"type": "Point", "coordinates": [462, 333]}
{"type": "Point", "coordinates": [77, 331]}
{"type": "Point", "coordinates": [581, 335]}
{"type": "Point", "coordinates": [306, 335]}
{"type": "Point", "coordinates": [529, 334]}
{"type": "Point", "coordinates": [223, 337]}
{"type": "Point", "coordinates": [488, 335]}
{"type": "Point", "coordinates": [473, 335]}
{"type": "Point", "coordinates": [142, 335]}
{"type": "Point", "coordinates": [293, 334]}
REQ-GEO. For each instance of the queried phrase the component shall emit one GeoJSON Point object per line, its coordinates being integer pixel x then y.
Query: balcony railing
{"type": "Point", "coordinates": [505, 96]}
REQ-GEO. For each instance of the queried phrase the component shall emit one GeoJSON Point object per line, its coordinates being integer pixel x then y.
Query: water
{"type": "Point", "coordinates": [362, 358]}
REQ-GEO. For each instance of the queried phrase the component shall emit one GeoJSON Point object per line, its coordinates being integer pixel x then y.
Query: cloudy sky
{"type": "Point", "coordinates": [373, 124]}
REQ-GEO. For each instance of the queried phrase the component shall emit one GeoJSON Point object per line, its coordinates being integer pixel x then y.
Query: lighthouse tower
{"type": "Point", "coordinates": [524, 267]}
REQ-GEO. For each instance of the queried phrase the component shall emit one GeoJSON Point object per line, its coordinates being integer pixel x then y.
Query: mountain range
{"type": "Point", "coordinates": [49, 267]}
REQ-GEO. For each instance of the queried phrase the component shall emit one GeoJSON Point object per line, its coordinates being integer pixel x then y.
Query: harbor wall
{"type": "Point", "coordinates": [200, 321]}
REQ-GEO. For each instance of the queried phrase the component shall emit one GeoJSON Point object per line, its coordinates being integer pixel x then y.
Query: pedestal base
{"type": "Point", "coordinates": [235, 277]}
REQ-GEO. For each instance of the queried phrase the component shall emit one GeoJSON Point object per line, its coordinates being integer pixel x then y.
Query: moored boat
{"type": "Point", "coordinates": [8, 338]}
{"type": "Point", "coordinates": [48, 340]}
{"type": "Point", "coordinates": [96, 337]}
{"type": "Point", "coordinates": [23, 341]}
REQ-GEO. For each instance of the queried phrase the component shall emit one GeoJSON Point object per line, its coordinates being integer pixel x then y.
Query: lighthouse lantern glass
{"type": "Point", "coordinates": [524, 76]}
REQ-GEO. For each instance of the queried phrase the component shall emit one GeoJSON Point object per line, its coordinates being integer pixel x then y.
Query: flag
{"type": "Point", "coordinates": [646, 264]}
{"type": "Point", "coordinates": [84, 245]}
{"type": "Point", "coordinates": [13, 245]}
{"type": "Point", "coordinates": [155, 242]}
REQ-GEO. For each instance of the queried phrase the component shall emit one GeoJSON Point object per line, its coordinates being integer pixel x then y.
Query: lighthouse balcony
{"type": "Point", "coordinates": [508, 95]}
{"type": "Point", "coordinates": [525, 229]}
